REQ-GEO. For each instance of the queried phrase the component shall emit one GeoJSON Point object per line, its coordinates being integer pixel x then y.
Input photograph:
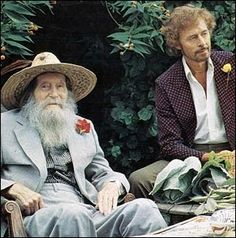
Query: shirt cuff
{"type": "Point", "coordinates": [121, 189]}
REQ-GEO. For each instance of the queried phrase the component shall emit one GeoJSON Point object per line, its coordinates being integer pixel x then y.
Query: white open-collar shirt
{"type": "Point", "coordinates": [210, 127]}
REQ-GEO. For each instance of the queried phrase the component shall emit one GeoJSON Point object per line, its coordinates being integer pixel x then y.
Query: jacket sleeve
{"type": "Point", "coordinates": [4, 182]}
{"type": "Point", "coordinates": [170, 133]}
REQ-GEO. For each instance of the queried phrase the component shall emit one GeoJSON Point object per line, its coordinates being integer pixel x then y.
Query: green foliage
{"type": "Point", "coordinates": [132, 122]}
{"type": "Point", "coordinates": [224, 12]}
{"type": "Point", "coordinates": [224, 36]}
{"type": "Point", "coordinates": [217, 160]}
{"type": "Point", "coordinates": [130, 126]}
{"type": "Point", "coordinates": [140, 30]}
{"type": "Point", "coordinates": [16, 26]}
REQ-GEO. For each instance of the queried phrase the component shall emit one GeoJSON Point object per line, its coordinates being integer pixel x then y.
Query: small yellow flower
{"type": "Point", "coordinates": [227, 68]}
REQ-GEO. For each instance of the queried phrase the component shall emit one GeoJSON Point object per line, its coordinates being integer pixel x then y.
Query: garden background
{"type": "Point", "coordinates": [121, 42]}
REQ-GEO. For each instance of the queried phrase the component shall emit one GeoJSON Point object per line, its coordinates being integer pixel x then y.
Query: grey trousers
{"type": "Point", "coordinates": [66, 215]}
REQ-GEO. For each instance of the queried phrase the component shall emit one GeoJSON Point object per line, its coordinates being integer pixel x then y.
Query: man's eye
{"type": "Point", "coordinates": [193, 37]}
{"type": "Point", "coordinates": [44, 86]}
{"type": "Point", "coordinates": [62, 86]}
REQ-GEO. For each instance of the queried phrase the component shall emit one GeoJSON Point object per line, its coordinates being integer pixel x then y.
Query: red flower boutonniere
{"type": "Point", "coordinates": [82, 126]}
{"type": "Point", "coordinates": [227, 68]}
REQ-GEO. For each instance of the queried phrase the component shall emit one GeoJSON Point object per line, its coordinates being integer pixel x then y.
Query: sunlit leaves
{"type": "Point", "coordinates": [17, 27]}
{"type": "Point", "coordinates": [139, 30]}
{"type": "Point", "coordinates": [115, 151]}
{"type": "Point", "coordinates": [145, 113]}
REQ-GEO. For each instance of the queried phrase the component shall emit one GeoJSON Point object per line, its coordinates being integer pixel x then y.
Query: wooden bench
{"type": "Point", "coordinates": [11, 211]}
{"type": "Point", "coordinates": [177, 212]}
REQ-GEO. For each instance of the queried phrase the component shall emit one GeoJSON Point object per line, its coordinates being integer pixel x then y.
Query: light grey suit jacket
{"type": "Point", "coordinates": [23, 159]}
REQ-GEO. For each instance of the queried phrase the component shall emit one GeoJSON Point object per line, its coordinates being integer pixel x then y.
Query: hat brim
{"type": "Point", "coordinates": [81, 79]}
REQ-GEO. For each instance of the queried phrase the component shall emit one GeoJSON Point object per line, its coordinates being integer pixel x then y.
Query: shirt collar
{"type": "Point", "coordinates": [188, 72]}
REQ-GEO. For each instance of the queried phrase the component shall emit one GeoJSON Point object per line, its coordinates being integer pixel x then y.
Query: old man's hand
{"type": "Point", "coordinates": [108, 197]}
{"type": "Point", "coordinates": [28, 200]}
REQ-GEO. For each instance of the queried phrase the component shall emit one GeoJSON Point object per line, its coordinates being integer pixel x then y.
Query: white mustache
{"type": "Point", "coordinates": [52, 101]}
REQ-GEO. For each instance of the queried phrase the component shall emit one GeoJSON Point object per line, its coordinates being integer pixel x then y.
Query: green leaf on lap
{"type": "Point", "coordinates": [173, 167]}
{"type": "Point", "coordinates": [230, 181]}
{"type": "Point", "coordinates": [218, 177]}
{"type": "Point", "coordinates": [210, 205]}
{"type": "Point", "coordinates": [173, 184]}
{"type": "Point", "coordinates": [200, 210]}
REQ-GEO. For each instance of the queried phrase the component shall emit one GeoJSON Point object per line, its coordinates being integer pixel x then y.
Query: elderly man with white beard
{"type": "Point", "coordinates": [52, 163]}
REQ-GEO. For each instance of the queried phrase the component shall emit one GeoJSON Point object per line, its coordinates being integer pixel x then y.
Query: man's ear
{"type": "Point", "coordinates": [178, 46]}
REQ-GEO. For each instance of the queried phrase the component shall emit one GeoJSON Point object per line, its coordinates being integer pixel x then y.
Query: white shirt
{"type": "Point", "coordinates": [210, 127]}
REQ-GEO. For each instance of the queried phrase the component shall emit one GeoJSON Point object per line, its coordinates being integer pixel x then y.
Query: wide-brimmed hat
{"type": "Point", "coordinates": [82, 80]}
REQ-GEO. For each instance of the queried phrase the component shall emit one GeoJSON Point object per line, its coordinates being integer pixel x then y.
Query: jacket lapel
{"type": "Point", "coordinates": [76, 147]}
{"type": "Point", "coordinates": [223, 88]}
{"type": "Point", "coordinates": [80, 148]}
{"type": "Point", "coordinates": [226, 93]}
{"type": "Point", "coordinates": [30, 142]}
{"type": "Point", "coordinates": [181, 97]}
{"type": "Point", "coordinates": [182, 100]}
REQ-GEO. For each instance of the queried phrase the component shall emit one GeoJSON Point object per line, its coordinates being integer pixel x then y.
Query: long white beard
{"type": "Point", "coordinates": [54, 126]}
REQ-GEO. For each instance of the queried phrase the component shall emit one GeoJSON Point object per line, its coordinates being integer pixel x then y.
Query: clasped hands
{"type": "Point", "coordinates": [30, 201]}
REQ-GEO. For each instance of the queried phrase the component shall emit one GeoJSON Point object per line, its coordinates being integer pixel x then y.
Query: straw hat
{"type": "Point", "coordinates": [81, 79]}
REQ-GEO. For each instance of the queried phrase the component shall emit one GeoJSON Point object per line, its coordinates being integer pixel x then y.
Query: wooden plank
{"type": "Point", "coordinates": [181, 209]}
{"type": "Point", "coordinates": [194, 207]}
{"type": "Point", "coordinates": [165, 207]}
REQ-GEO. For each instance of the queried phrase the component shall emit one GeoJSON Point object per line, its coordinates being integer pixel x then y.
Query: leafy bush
{"type": "Point", "coordinates": [130, 127]}
{"type": "Point", "coordinates": [16, 26]}
{"type": "Point", "coordinates": [224, 35]}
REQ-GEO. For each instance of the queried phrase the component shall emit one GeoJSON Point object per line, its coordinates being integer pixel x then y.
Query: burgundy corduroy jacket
{"type": "Point", "coordinates": [175, 110]}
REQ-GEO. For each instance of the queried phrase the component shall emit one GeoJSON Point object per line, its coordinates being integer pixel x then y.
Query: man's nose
{"type": "Point", "coordinates": [53, 92]}
{"type": "Point", "coordinates": [201, 41]}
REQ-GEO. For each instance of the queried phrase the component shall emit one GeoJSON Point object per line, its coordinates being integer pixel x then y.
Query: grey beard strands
{"type": "Point", "coordinates": [54, 127]}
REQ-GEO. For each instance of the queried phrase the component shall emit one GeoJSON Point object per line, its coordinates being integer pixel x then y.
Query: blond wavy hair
{"type": "Point", "coordinates": [182, 17]}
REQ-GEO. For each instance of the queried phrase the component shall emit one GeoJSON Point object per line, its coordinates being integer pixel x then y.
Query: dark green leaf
{"type": "Point", "coordinates": [18, 45]}
{"type": "Point", "coordinates": [18, 9]}
{"type": "Point", "coordinates": [142, 29]}
{"type": "Point", "coordinates": [16, 17]}
{"type": "Point", "coordinates": [120, 36]}
{"type": "Point", "coordinates": [140, 49]}
{"type": "Point", "coordinates": [18, 38]}
{"type": "Point", "coordinates": [129, 11]}
{"type": "Point", "coordinates": [145, 113]}
{"type": "Point", "coordinates": [140, 36]}
{"type": "Point", "coordinates": [115, 151]}
{"type": "Point", "coordinates": [153, 130]}
{"type": "Point", "coordinates": [139, 42]}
